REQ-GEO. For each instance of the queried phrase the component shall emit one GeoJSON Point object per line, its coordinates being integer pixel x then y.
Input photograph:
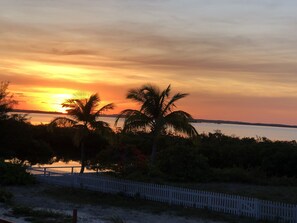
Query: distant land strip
{"type": "Point", "coordinates": [194, 120]}
{"type": "Point", "coordinates": [242, 123]}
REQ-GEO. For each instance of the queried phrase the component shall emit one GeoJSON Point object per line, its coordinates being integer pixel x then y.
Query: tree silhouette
{"type": "Point", "coordinates": [6, 100]}
{"type": "Point", "coordinates": [156, 114]}
{"type": "Point", "coordinates": [84, 116]}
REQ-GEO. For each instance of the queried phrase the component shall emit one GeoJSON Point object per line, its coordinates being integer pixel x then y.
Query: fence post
{"type": "Point", "coordinates": [295, 214]}
{"type": "Point", "coordinates": [44, 171]}
{"type": "Point", "coordinates": [257, 209]}
{"type": "Point", "coordinates": [72, 170]}
{"type": "Point", "coordinates": [74, 216]}
{"type": "Point", "coordinates": [239, 206]}
{"type": "Point", "coordinates": [170, 196]}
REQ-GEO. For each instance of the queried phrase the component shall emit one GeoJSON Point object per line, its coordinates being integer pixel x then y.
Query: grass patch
{"type": "Point", "coordinates": [116, 219]}
{"type": "Point", "coordinates": [5, 196]}
{"type": "Point", "coordinates": [40, 216]}
{"type": "Point", "coordinates": [284, 194]}
{"type": "Point", "coordinates": [79, 196]}
{"type": "Point", "coordinates": [134, 203]}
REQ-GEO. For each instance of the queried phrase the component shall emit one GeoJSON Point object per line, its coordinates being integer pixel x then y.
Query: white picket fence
{"type": "Point", "coordinates": [219, 202]}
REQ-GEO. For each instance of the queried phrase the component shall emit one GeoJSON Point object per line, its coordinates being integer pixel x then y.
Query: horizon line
{"type": "Point", "coordinates": [194, 120]}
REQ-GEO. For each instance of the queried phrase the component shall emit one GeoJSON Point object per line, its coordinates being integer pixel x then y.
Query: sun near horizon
{"type": "Point", "coordinates": [233, 65]}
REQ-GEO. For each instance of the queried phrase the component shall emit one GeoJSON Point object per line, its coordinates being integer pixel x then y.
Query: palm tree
{"type": "Point", "coordinates": [84, 116]}
{"type": "Point", "coordinates": [156, 114]}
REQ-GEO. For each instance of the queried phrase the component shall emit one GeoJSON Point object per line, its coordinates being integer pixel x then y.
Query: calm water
{"type": "Point", "coordinates": [273, 133]}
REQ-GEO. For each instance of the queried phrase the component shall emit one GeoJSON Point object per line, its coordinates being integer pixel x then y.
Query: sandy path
{"type": "Point", "coordinates": [31, 196]}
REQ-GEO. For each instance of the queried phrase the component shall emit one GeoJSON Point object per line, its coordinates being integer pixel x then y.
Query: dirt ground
{"type": "Point", "coordinates": [33, 197]}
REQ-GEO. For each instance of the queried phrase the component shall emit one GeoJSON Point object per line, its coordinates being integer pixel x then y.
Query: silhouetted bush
{"type": "Point", "coordinates": [14, 174]}
{"type": "Point", "coordinates": [234, 175]}
{"type": "Point", "coordinates": [18, 140]}
{"type": "Point", "coordinates": [183, 163]}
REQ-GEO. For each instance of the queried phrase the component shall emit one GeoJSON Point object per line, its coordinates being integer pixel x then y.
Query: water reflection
{"type": "Point", "coordinates": [273, 133]}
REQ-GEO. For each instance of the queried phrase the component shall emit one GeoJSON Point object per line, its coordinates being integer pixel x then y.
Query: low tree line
{"type": "Point", "coordinates": [144, 149]}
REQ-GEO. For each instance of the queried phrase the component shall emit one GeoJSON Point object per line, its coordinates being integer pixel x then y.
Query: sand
{"type": "Point", "coordinates": [32, 197]}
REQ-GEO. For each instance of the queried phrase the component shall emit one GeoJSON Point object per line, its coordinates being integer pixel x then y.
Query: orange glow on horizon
{"type": "Point", "coordinates": [58, 100]}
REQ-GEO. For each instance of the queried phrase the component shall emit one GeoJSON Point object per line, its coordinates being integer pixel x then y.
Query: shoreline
{"type": "Point", "coordinates": [192, 121]}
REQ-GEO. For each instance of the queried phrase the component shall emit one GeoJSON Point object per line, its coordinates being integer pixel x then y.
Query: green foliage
{"type": "Point", "coordinates": [84, 118]}
{"type": "Point", "coordinates": [124, 159]}
{"type": "Point", "coordinates": [41, 216]}
{"type": "Point", "coordinates": [272, 158]}
{"type": "Point", "coordinates": [235, 175]}
{"type": "Point", "coordinates": [183, 163]}
{"type": "Point", "coordinates": [19, 140]}
{"type": "Point", "coordinates": [14, 174]}
{"type": "Point", "coordinates": [94, 143]}
{"type": "Point", "coordinates": [5, 196]}
{"type": "Point", "coordinates": [212, 157]}
{"type": "Point", "coordinates": [157, 114]}
{"type": "Point", "coordinates": [61, 141]}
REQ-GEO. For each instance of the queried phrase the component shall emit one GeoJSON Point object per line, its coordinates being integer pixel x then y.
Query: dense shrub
{"type": "Point", "coordinates": [183, 163]}
{"type": "Point", "coordinates": [18, 140]}
{"type": "Point", "coordinates": [14, 174]}
{"type": "Point", "coordinates": [274, 158]}
{"type": "Point", "coordinates": [213, 157]}
{"type": "Point", "coordinates": [234, 175]}
{"type": "Point", "coordinates": [123, 159]}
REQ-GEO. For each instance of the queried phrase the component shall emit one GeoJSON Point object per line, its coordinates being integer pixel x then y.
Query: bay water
{"type": "Point", "coordinates": [272, 133]}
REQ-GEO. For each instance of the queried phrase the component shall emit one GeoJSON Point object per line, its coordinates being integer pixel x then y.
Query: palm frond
{"type": "Point", "coordinates": [91, 104]}
{"type": "Point", "coordinates": [157, 111]}
{"type": "Point", "coordinates": [168, 108]}
{"type": "Point", "coordinates": [61, 122]}
{"type": "Point", "coordinates": [105, 108]}
{"type": "Point", "coordinates": [132, 125]}
{"type": "Point", "coordinates": [74, 108]}
{"type": "Point", "coordinates": [136, 95]}
{"type": "Point", "coordinates": [150, 89]}
{"type": "Point", "coordinates": [101, 127]}
{"type": "Point", "coordinates": [134, 120]}
{"type": "Point", "coordinates": [152, 103]}
{"type": "Point", "coordinates": [180, 122]}
{"type": "Point", "coordinates": [123, 114]}
{"type": "Point", "coordinates": [164, 96]}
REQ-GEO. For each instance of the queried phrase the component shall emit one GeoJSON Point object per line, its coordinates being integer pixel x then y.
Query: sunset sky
{"type": "Point", "coordinates": [236, 58]}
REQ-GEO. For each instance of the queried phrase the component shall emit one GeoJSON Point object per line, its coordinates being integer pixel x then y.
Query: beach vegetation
{"type": "Point", "coordinates": [14, 174]}
{"type": "Point", "coordinates": [157, 133]}
{"type": "Point", "coordinates": [157, 114]}
{"type": "Point", "coordinates": [83, 116]}
{"type": "Point", "coordinates": [6, 100]}
{"type": "Point", "coordinates": [40, 216]}
{"type": "Point", "coordinates": [20, 141]}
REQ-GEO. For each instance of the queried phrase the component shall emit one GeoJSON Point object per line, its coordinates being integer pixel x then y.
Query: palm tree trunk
{"type": "Point", "coordinates": [82, 157]}
{"type": "Point", "coordinates": [154, 151]}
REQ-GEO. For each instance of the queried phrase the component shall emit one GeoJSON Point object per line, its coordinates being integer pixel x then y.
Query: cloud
{"type": "Point", "coordinates": [213, 47]}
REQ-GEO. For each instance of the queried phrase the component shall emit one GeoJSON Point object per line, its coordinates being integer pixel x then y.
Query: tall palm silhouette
{"type": "Point", "coordinates": [84, 114]}
{"type": "Point", "coordinates": [156, 114]}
